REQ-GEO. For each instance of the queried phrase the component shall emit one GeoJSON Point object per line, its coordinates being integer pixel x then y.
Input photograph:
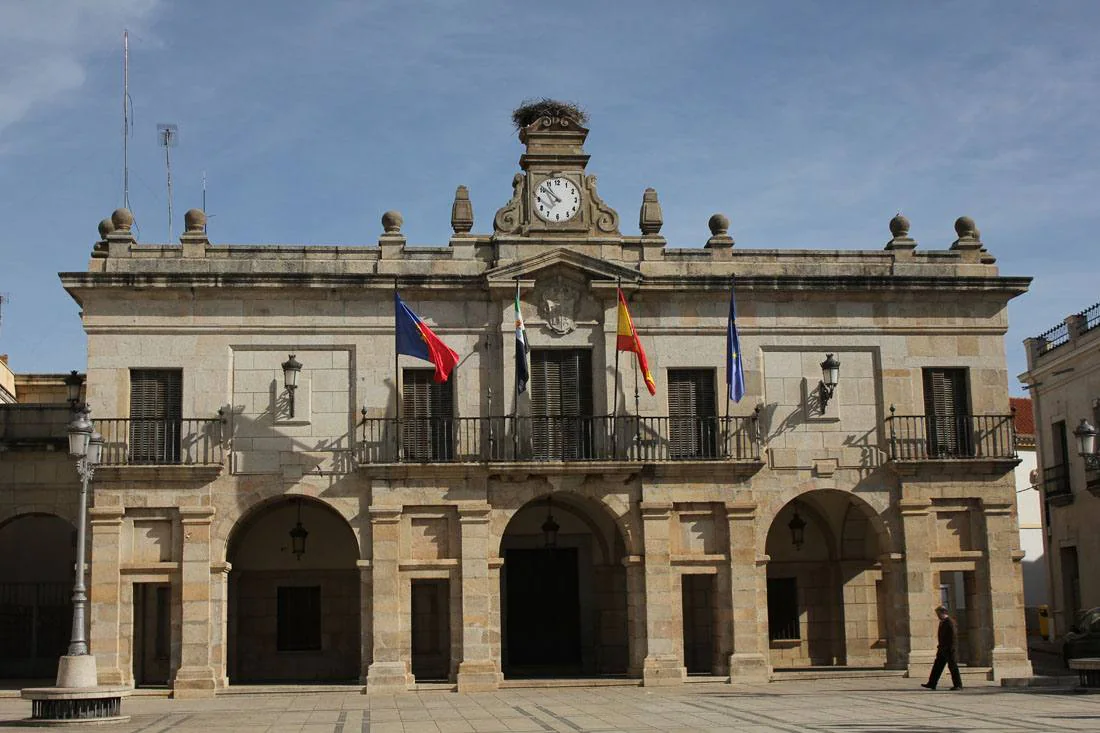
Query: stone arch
{"type": "Point", "coordinates": [280, 602]}
{"type": "Point", "coordinates": [874, 506]}
{"type": "Point", "coordinates": [37, 564]}
{"type": "Point", "coordinates": [834, 583]}
{"type": "Point", "coordinates": [564, 608]}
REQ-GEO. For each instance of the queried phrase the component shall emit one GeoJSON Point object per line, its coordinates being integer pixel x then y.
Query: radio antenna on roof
{"type": "Point", "coordinates": [168, 136]}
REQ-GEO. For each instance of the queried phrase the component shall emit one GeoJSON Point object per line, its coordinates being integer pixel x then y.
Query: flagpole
{"type": "Point", "coordinates": [615, 393]}
{"type": "Point", "coordinates": [729, 376]}
{"type": "Point", "coordinates": [637, 418]}
{"type": "Point", "coordinates": [515, 391]}
{"type": "Point", "coordinates": [396, 381]}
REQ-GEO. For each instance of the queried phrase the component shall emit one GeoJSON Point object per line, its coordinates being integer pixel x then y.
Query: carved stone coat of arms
{"type": "Point", "coordinates": [557, 305]}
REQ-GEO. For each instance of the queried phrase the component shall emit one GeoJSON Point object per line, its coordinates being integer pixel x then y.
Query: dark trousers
{"type": "Point", "coordinates": [951, 661]}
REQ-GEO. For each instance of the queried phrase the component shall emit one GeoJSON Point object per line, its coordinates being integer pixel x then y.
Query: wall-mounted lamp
{"type": "Point", "coordinates": [797, 525]}
{"type": "Point", "coordinates": [298, 536]}
{"type": "Point", "coordinates": [1086, 445]}
{"type": "Point", "coordinates": [291, 368]}
{"type": "Point", "coordinates": [73, 383]}
{"type": "Point", "coordinates": [830, 375]}
{"type": "Point", "coordinates": [550, 527]}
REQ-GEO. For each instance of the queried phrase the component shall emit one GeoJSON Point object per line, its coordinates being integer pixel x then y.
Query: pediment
{"type": "Point", "coordinates": [560, 258]}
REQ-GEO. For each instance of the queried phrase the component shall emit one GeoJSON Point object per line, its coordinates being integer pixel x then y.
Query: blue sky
{"type": "Point", "coordinates": [808, 124]}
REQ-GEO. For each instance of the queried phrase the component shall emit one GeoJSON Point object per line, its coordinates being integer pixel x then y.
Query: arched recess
{"type": "Point", "coordinates": [828, 597]}
{"type": "Point", "coordinates": [563, 603]}
{"type": "Point", "coordinates": [293, 618]}
{"type": "Point", "coordinates": [37, 562]}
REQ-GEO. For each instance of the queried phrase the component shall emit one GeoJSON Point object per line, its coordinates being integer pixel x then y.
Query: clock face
{"type": "Point", "coordinates": [556, 199]}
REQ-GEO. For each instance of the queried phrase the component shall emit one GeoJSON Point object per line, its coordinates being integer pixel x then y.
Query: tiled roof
{"type": "Point", "coordinates": [1024, 417]}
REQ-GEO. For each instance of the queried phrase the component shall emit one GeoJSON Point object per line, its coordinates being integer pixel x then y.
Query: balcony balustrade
{"type": "Point", "coordinates": [953, 437]}
{"type": "Point", "coordinates": [557, 439]}
{"type": "Point", "coordinates": [160, 442]}
{"type": "Point", "coordinates": [1056, 485]}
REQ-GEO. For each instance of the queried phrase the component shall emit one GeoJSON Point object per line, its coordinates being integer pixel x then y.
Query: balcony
{"type": "Point", "coordinates": [164, 442]}
{"type": "Point", "coordinates": [626, 439]}
{"type": "Point", "coordinates": [1056, 486]}
{"type": "Point", "coordinates": [967, 438]}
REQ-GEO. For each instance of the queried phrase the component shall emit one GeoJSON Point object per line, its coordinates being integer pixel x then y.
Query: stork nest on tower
{"type": "Point", "coordinates": [531, 110]}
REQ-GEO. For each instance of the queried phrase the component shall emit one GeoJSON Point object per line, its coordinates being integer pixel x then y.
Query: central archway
{"type": "Point", "coordinates": [563, 591]}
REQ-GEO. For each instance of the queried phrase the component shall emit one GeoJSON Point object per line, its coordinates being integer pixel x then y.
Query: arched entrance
{"type": "Point", "coordinates": [563, 591]}
{"type": "Point", "coordinates": [827, 597]}
{"type": "Point", "coordinates": [293, 617]}
{"type": "Point", "coordinates": [37, 562]}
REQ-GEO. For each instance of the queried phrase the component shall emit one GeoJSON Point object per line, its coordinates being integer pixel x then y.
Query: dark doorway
{"type": "Point", "coordinates": [431, 629]}
{"type": "Point", "coordinates": [544, 621]}
{"type": "Point", "coordinates": [698, 600]}
{"type": "Point", "coordinates": [152, 633]}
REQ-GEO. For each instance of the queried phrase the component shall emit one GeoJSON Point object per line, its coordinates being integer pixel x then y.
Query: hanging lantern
{"type": "Point", "coordinates": [298, 536]}
{"type": "Point", "coordinates": [797, 525]}
{"type": "Point", "coordinates": [550, 527]}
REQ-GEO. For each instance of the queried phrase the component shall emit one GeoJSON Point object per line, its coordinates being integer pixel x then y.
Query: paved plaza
{"type": "Point", "coordinates": [862, 706]}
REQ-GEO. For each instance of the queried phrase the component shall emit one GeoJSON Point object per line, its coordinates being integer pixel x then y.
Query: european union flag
{"type": "Point", "coordinates": [735, 373]}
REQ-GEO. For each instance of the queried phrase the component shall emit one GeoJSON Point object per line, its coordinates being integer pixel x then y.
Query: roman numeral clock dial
{"type": "Point", "coordinates": [556, 200]}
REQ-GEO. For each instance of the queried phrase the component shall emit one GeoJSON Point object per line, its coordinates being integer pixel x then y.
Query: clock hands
{"type": "Point", "coordinates": [546, 189]}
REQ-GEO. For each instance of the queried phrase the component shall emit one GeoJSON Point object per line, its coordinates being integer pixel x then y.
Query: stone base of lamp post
{"type": "Point", "coordinates": [76, 698]}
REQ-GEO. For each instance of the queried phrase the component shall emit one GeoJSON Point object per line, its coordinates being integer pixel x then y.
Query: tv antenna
{"type": "Point", "coordinates": [168, 136]}
{"type": "Point", "coordinates": [126, 119]}
{"type": "Point", "coordinates": [4, 298]}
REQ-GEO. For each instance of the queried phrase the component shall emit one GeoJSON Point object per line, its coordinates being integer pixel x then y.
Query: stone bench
{"type": "Point", "coordinates": [1088, 670]}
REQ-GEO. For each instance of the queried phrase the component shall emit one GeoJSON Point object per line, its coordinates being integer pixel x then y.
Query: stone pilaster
{"type": "Point", "coordinates": [1006, 589]}
{"type": "Point", "coordinates": [748, 598]}
{"type": "Point", "coordinates": [478, 671]}
{"type": "Point", "coordinates": [219, 614]}
{"type": "Point", "coordinates": [366, 618]}
{"type": "Point", "coordinates": [105, 595]}
{"type": "Point", "coordinates": [635, 614]}
{"type": "Point", "coordinates": [388, 672]}
{"type": "Point", "coordinates": [921, 591]}
{"type": "Point", "coordinates": [664, 634]}
{"type": "Point", "coordinates": [196, 676]}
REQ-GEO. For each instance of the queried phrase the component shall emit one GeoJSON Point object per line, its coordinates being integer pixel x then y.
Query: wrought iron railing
{"type": "Point", "coordinates": [932, 437]}
{"type": "Point", "coordinates": [172, 442]}
{"type": "Point", "coordinates": [565, 439]}
{"type": "Point", "coordinates": [1091, 316]}
{"type": "Point", "coordinates": [1056, 483]}
{"type": "Point", "coordinates": [1053, 338]}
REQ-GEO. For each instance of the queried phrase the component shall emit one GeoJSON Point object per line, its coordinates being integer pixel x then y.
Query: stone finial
{"type": "Point", "coordinates": [122, 220]}
{"type": "Point", "coordinates": [105, 227]}
{"type": "Point", "coordinates": [966, 229]}
{"type": "Point", "coordinates": [194, 221]}
{"type": "Point", "coordinates": [650, 218]}
{"type": "Point", "coordinates": [719, 225]}
{"type": "Point", "coordinates": [462, 212]}
{"type": "Point", "coordinates": [899, 226]}
{"type": "Point", "coordinates": [899, 234]}
{"type": "Point", "coordinates": [392, 221]}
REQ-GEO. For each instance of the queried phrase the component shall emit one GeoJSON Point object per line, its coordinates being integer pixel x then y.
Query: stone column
{"type": "Point", "coordinates": [635, 614]}
{"type": "Point", "coordinates": [366, 618]}
{"type": "Point", "coordinates": [920, 588]}
{"type": "Point", "coordinates": [219, 605]}
{"type": "Point", "coordinates": [664, 634]}
{"type": "Point", "coordinates": [104, 595]}
{"type": "Point", "coordinates": [749, 661]}
{"type": "Point", "coordinates": [1006, 591]}
{"type": "Point", "coordinates": [388, 672]}
{"type": "Point", "coordinates": [195, 676]}
{"type": "Point", "coordinates": [478, 671]}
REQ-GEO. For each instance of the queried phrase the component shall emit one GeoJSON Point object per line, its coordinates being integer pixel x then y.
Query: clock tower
{"type": "Point", "coordinates": [553, 196]}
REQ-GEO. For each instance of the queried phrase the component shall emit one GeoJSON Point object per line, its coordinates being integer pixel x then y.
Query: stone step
{"type": "Point", "coordinates": [570, 682]}
{"type": "Point", "coordinates": [832, 673]}
{"type": "Point", "coordinates": [288, 689]}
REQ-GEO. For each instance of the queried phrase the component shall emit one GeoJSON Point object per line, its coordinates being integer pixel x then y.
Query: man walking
{"type": "Point", "coordinates": [946, 652]}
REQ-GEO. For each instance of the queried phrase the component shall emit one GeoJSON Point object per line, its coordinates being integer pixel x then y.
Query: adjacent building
{"type": "Point", "coordinates": [1063, 376]}
{"type": "Point", "coordinates": [1029, 510]}
{"type": "Point", "coordinates": [283, 498]}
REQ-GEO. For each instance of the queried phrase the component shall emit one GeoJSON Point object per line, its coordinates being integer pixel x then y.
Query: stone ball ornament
{"type": "Point", "coordinates": [719, 224]}
{"type": "Point", "coordinates": [195, 220]}
{"type": "Point", "coordinates": [106, 227]}
{"type": "Point", "coordinates": [392, 221]}
{"type": "Point", "coordinates": [965, 228]}
{"type": "Point", "coordinates": [122, 220]}
{"type": "Point", "coordinates": [899, 226]}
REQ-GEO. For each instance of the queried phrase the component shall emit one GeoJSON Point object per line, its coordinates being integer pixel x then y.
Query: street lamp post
{"type": "Point", "coordinates": [86, 446]}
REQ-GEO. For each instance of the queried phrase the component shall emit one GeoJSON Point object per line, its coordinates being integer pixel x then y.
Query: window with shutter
{"type": "Point", "coordinates": [693, 423]}
{"type": "Point", "coordinates": [427, 409]}
{"type": "Point", "coordinates": [561, 404]}
{"type": "Point", "coordinates": [156, 415]}
{"type": "Point", "coordinates": [946, 409]}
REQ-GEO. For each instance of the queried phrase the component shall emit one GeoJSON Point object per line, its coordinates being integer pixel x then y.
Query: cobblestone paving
{"type": "Point", "coordinates": [851, 706]}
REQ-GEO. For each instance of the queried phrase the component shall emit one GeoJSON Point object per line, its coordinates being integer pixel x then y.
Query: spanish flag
{"type": "Point", "coordinates": [627, 340]}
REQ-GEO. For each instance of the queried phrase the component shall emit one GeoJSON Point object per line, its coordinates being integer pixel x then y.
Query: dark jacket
{"type": "Point", "coordinates": [945, 637]}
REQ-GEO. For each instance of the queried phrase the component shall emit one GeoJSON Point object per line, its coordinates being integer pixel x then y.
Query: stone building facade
{"type": "Point", "coordinates": [468, 533]}
{"type": "Point", "coordinates": [1063, 376]}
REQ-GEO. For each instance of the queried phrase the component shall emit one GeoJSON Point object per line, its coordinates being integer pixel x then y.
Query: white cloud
{"type": "Point", "coordinates": [46, 45]}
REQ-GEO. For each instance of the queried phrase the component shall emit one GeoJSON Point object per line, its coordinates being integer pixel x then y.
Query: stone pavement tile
{"type": "Point", "coordinates": [420, 726]}
{"type": "Point", "coordinates": [454, 726]}
{"type": "Point", "coordinates": [394, 727]}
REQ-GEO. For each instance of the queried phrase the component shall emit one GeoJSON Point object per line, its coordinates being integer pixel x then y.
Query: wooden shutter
{"type": "Point", "coordinates": [692, 424]}
{"type": "Point", "coordinates": [946, 410]}
{"type": "Point", "coordinates": [561, 403]}
{"type": "Point", "coordinates": [156, 415]}
{"type": "Point", "coordinates": [427, 410]}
